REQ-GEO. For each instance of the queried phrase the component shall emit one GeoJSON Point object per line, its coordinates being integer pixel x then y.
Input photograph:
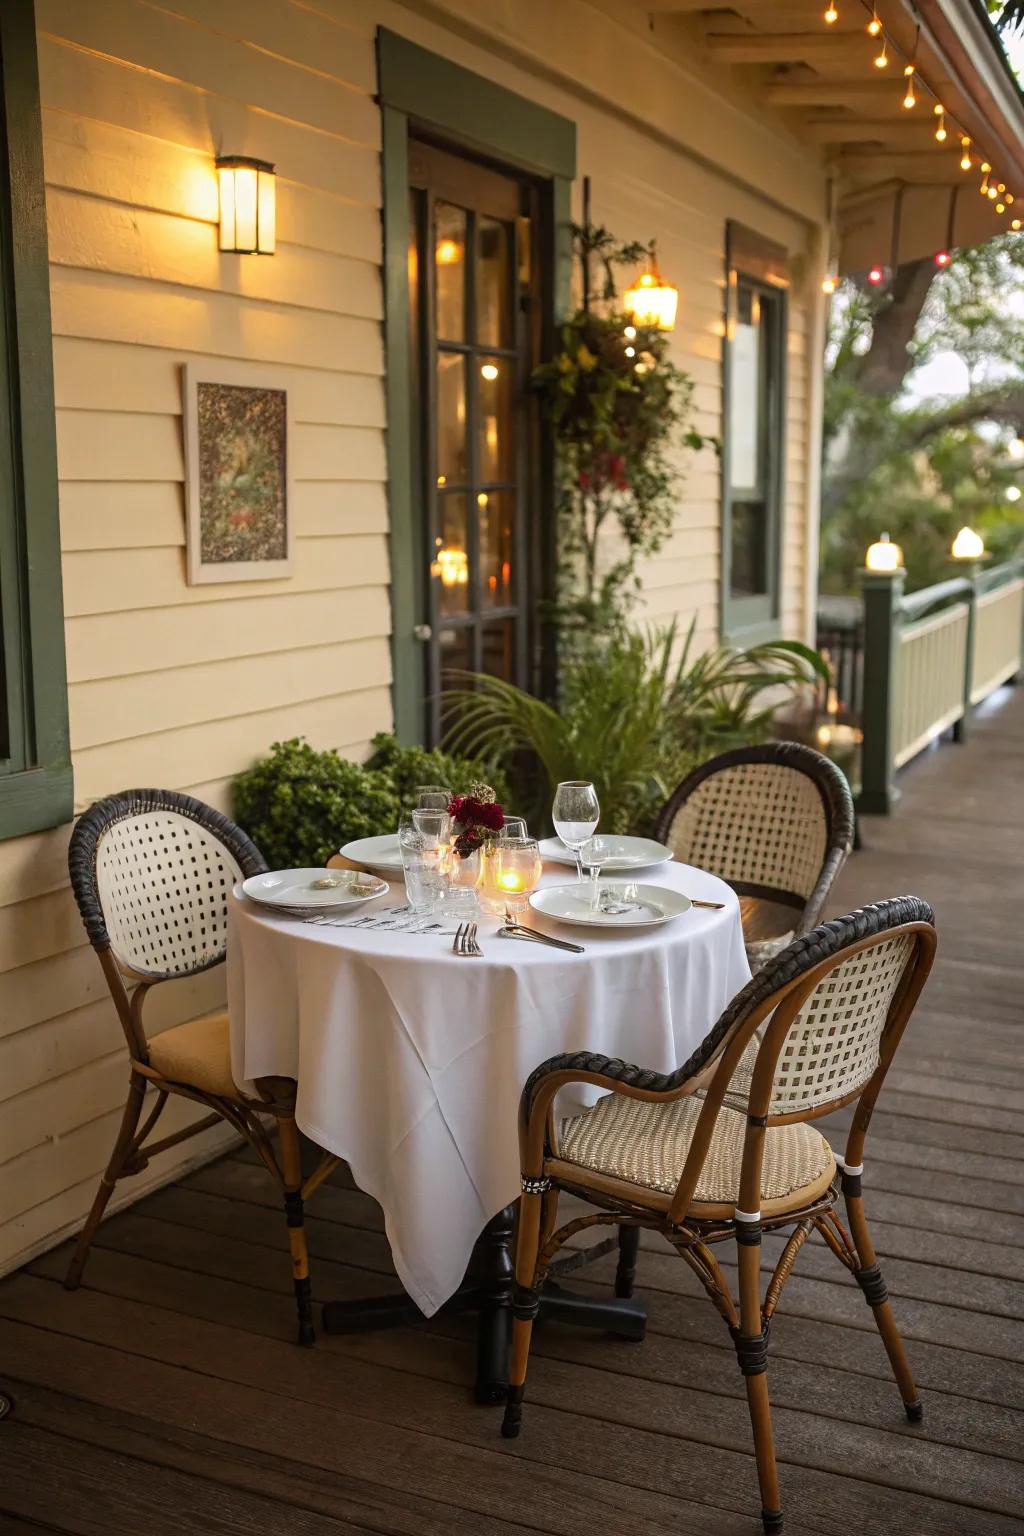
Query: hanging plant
{"type": "Point", "coordinates": [618, 407]}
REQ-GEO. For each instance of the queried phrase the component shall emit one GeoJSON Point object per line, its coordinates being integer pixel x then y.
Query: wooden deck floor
{"type": "Point", "coordinates": [166, 1396]}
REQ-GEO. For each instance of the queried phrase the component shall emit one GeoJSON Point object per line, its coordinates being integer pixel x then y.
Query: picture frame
{"type": "Point", "coordinates": [238, 473]}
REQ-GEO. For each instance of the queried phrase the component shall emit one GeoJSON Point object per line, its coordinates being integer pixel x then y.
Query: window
{"type": "Point", "coordinates": [754, 437]}
{"type": "Point", "coordinates": [35, 767]}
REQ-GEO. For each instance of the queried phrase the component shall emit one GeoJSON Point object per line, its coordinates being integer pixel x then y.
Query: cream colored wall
{"type": "Point", "coordinates": [184, 686]}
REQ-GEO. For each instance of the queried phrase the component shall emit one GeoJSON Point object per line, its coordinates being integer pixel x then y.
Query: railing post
{"type": "Point", "coordinates": [970, 570]}
{"type": "Point", "coordinates": [883, 593]}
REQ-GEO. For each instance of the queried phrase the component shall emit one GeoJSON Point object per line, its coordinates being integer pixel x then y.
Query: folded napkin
{"type": "Point", "coordinates": [393, 919]}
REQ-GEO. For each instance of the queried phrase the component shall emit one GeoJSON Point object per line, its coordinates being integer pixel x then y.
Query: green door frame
{"type": "Point", "coordinates": [35, 760]}
{"type": "Point", "coordinates": [420, 89]}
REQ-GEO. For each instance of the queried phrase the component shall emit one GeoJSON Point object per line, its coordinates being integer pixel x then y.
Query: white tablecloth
{"type": "Point", "coordinates": [410, 1061]}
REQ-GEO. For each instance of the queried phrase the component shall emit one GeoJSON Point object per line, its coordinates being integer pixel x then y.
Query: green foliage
{"type": "Point", "coordinates": [410, 766]}
{"type": "Point", "coordinates": [618, 408]}
{"type": "Point", "coordinates": [636, 713]}
{"type": "Point", "coordinates": [300, 805]}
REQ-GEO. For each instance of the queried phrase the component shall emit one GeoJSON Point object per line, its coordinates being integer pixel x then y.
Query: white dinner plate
{"type": "Point", "coordinates": [645, 905]}
{"type": "Point", "coordinates": [630, 852]}
{"type": "Point", "coordinates": [381, 855]}
{"type": "Point", "coordinates": [296, 890]}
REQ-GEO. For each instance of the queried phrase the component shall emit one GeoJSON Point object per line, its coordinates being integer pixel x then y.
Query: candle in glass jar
{"type": "Point", "coordinates": [511, 880]}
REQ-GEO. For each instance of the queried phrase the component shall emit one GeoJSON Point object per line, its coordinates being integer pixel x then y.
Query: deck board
{"type": "Point", "coordinates": [166, 1395]}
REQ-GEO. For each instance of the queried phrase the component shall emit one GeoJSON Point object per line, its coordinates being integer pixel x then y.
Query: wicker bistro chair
{"type": "Point", "coordinates": [776, 821]}
{"type": "Point", "coordinates": [152, 871]}
{"type": "Point", "coordinates": [707, 1154]}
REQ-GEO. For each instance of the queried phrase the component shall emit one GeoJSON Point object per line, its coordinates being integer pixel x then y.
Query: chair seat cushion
{"type": "Point", "coordinates": [647, 1144]}
{"type": "Point", "coordinates": [197, 1054]}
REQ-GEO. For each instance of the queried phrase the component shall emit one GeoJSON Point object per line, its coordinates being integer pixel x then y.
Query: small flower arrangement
{"type": "Point", "coordinates": [477, 817]}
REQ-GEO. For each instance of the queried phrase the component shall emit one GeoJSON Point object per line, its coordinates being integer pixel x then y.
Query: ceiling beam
{"type": "Point", "coordinates": [866, 93]}
{"type": "Point", "coordinates": [872, 130]}
{"type": "Point", "coordinates": [778, 47]}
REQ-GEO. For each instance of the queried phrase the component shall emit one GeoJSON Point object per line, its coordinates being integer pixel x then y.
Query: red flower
{"type": "Point", "coordinates": [491, 816]}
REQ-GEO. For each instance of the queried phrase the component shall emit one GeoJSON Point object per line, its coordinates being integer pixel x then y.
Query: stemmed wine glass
{"type": "Point", "coordinates": [595, 853]}
{"type": "Point", "coordinates": [575, 813]}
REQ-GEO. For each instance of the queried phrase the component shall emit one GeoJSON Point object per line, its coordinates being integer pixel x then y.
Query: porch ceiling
{"type": "Point", "coordinates": [887, 161]}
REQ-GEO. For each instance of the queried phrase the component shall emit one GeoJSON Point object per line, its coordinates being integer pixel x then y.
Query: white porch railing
{"type": "Point", "coordinates": [927, 659]}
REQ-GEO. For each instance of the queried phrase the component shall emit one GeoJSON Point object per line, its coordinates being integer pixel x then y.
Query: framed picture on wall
{"type": "Point", "coordinates": [238, 497]}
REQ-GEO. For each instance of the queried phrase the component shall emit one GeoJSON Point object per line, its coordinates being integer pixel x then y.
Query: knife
{"type": "Point", "coordinates": [517, 931]}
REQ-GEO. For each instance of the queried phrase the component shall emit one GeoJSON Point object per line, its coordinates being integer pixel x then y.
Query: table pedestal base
{"type": "Point", "coordinates": [490, 1294]}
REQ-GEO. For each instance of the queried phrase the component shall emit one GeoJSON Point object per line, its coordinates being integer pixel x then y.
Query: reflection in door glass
{"type": "Point", "coordinates": [450, 564]}
{"type": "Point", "coordinates": [493, 284]}
{"type": "Point", "coordinates": [452, 467]}
{"type": "Point", "coordinates": [450, 271]}
{"type": "Point", "coordinates": [498, 657]}
{"type": "Point", "coordinates": [496, 512]}
{"type": "Point", "coordinates": [456, 650]}
{"type": "Point", "coordinates": [494, 420]}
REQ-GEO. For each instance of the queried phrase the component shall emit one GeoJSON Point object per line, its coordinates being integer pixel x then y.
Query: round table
{"type": "Point", "coordinates": [410, 1061]}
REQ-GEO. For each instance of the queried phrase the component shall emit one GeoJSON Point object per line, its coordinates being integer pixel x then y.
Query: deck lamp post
{"type": "Point", "coordinates": [882, 587]}
{"type": "Point", "coordinates": [968, 552]}
{"type": "Point", "coordinates": [248, 205]}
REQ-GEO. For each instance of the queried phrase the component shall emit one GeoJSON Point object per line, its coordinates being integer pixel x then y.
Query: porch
{"type": "Point", "coordinates": [167, 1395]}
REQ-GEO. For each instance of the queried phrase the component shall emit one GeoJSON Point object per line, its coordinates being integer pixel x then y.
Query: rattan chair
{"type": "Point", "coordinates": [776, 821]}
{"type": "Point", "coordinates": [710, 1153]}
{"type": "Point", "coordinates": [152, 871]}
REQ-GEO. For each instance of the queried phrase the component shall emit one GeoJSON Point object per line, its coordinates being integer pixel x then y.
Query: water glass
{"type": "Point", "coordinates": [595, 853]}
{"type": "Point", "coordinates": [518, 870]}
{"type": "Point", "coordinates": [514, 830]}
{"type": "Point", "coordinates": [432, 797]}
{"type": "Point", "coordinates": [575, 813]}
{"type": "Point", "coordinates": [433, 825]}
{"type": "Point", "coordinates": [424, 870]}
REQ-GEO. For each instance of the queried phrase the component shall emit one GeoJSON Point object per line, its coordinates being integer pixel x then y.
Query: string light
{"type": "Point", "coordinates": [1000, 207]}
{"type": "Point", "coordinates": [940, 132]}
{"type": "Point", "coordinates": [875, 275]}
{"type": "Point", "coordinates": [831, 16]}
{"type": "Point", "coordinates": [993, 194]}
{"type": "Point", "coordinates": [983, 189]}
{"type": "Point", "coordinates": [985, 167]}
{"type": "Point", "coordinates": [1015, 223]}
{"type": "Point", "coordinates": [882, 58]}
{"type": "Point", "coordinates": [965, 158]}
{"type": "Point", "coordinates": [909, 100]}
{"type": "Point", "coordinates": [874, 25]}
{"type": "Point", "coordinates": [829, 285]}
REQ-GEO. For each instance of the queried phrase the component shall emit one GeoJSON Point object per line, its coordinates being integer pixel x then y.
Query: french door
{"type": "Point", "coordinates": [472, 283]}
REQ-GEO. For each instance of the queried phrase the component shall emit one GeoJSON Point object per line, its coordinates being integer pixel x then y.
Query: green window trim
{"type": "Point", "coordinates": [753, 619]}
{"type": "Point", "coordinates": [420, 89]}
{"type": "Point", "coordinates": [35, 760]}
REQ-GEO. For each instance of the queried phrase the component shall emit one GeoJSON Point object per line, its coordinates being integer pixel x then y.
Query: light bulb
{"type": "Point", "coordinates": [983, 189]}
{"type": "Point", "coordinates": [1000, 186]}
{"type": "Point", "coordinates": [874, 25]}
{"type": "Point", "coordinates": [881, 59]}
{"type": "Point", "coordinates": [938, 109]}
{"type": "Point", "coordinates": [1000, 207]}
{"type": "Point", "coordinates": [831, 16]}
{"type": "Point", "coordinates": [1009, 197]}
{"type": "Point", "coordinates": [940, 133]}
{"type": "Point", "coordinates": [993, 194]}
{"type": "Point", "coordinates": [985, 167]}
{"type": "Point", "coordinates": [942, 258]}
{"type": "Point", "coordinates": [910, 100]}
{"type": "Point", "coordinates": [828, 286]}
{"type": "Point", "coordinates": [1015, 223]}
{"type": "Point", "coordinates": [965, 161]}
{"type": "Point", "coordinates": [875, 275]}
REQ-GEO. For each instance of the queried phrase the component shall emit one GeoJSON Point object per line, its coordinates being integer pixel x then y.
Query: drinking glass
{"type": "Point", "coordinates": [575, 813]}
{"type": "Point", "coordinates": [433, 825]}
{"type": "Point", "coordinates": [514, 830]}
{"type": "Point", "coordinates": [594, 854]}
{"type": "Point", "coordinates": [518, 872]}
{"type": "Point", "coordinates": [432, 797]}
{"type": "Point", "coordinates": [424, 871]}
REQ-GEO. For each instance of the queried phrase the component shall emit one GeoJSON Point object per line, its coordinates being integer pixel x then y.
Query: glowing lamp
{"type": "Point", "coordinates": [968, 545]}
{"type": "Point", "coordinates": [831, 16]}
{"type": "Point", "coordinates": [452, 565]}
{"type": "Point", "coordinates": [884, 555]}
{"type": "Point", "coordinates": [1016, 448]}
{"type": "Point", "coordinates": [248, 205]}
{"type": "Point", "coordinates": [1013, 493]}
{"type": "Point", "coordinates": [942, 258]}
{"type": "Point", "coordinates": [651, 303]}
{"type": "Point", "coordinates": [1015, 223]}
{"type": "Point", "coordinates": [448, 252]}
{"type": "Point", "coordinates": [874, 25]}
{"type": "Point", "coordinates": [875, 275]}
{"type": "Point", "coordinates": [828, 286]}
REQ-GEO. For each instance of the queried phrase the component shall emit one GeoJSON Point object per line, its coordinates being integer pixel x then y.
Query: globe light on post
{"type": "Point", "coordinates": [968, 545]}
{"type": "Point", "coordinates": [651, 303]}
{"type": "Point", "coordinates": [884, 555]}
{"type": "Point", "coordinates": [248, 205]}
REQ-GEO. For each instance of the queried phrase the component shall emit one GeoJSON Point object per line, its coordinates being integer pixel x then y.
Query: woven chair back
{"type": "Point", "coordinates": [832, 1047]}
{"type": "Point", "coordinates": [755, 824]}
{"type": "Point", "coordinates": [152, 872]}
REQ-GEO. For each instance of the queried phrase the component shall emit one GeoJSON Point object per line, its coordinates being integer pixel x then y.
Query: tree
{"type": "Point", "coordinates": [921, 469]}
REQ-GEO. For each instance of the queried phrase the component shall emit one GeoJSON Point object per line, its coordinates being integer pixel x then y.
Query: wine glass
{"type": "Point", "coordinates": [595, 853]}
{"type": "Point", "coordinates": [575, 813]}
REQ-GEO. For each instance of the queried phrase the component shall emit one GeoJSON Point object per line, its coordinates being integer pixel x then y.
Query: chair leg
{"type": "Point", "coordinates": [122, 1146]}
{"type": "Point", "coordinates": [291, 1167]}
{"type": "Point", "coordinates": [869, 1277]}
{"type": "Point", "coordinates": [629, 1248]}
{"type": "Point", "coordinates": [525, 1303]}
{"type": "Point", "coordinates": [751, 1340]}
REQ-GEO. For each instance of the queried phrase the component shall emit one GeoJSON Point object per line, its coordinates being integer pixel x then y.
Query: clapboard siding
{"type": "Point", "coordinates": [186, 686]}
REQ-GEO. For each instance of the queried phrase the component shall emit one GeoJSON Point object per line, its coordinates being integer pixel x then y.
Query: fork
{"type": "Point", "coordinates": [465, 945]}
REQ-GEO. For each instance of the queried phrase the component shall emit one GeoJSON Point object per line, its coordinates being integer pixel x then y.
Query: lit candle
{"type": "Point", "coordinates": [512, 880]}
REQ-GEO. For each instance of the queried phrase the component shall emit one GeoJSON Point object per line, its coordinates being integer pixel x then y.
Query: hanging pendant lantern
{"type": "Point", "coordinates": [651, 302]}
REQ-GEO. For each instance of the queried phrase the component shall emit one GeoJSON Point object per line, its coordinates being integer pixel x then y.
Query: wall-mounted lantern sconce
{"type": "Point", "coordinates": [651, 303]}
{"type": "Point", "coordinates": [248, 213]}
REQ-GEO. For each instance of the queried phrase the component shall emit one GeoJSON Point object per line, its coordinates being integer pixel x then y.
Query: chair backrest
{"type": "Point", "coordinates": [152, 871]}
{"type": "Point", "coordinates": [764, 818]}
{"type": "Point", "coordinates": [851, 970]}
